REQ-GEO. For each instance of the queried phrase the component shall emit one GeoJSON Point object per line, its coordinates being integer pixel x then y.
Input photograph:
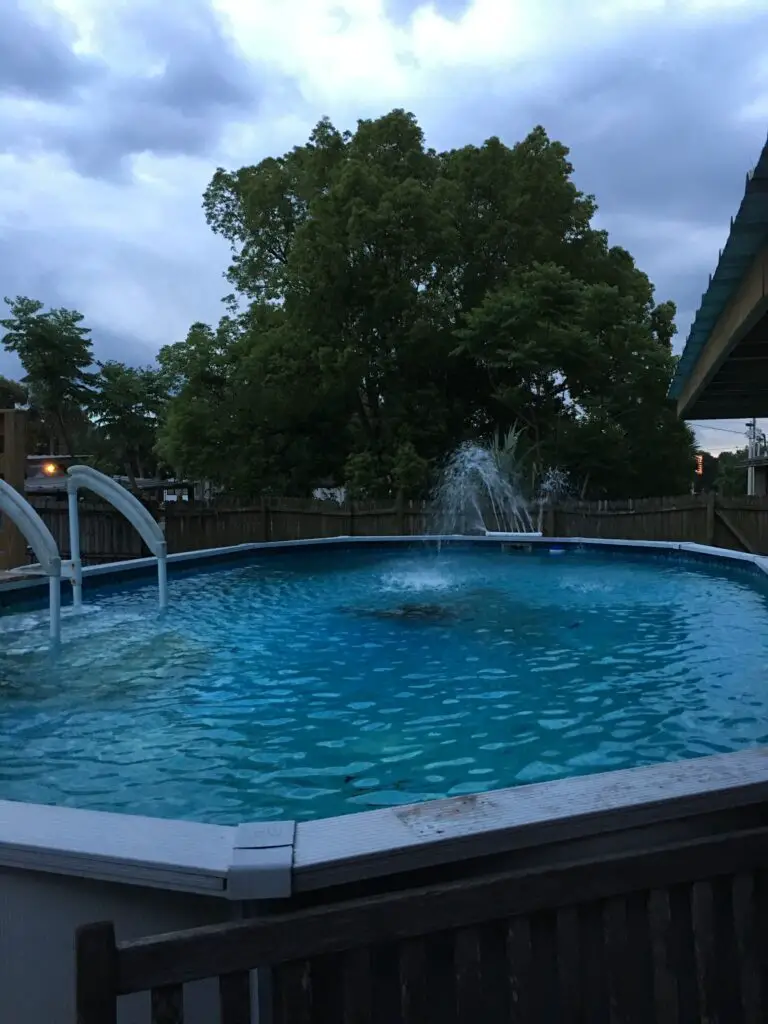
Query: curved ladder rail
{"type": "Point", "coordinates": [127, 505]}
{"type": "Point", "coordinates": [40, 539]}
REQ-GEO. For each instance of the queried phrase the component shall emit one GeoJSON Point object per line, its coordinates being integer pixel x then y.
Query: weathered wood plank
{"type": "Point", "coordinates": [728, 1000]}
{"type": "Point", "coordinates": [746, 915]}
{"type": "Point", "coordinates": [596, 998]}
{"type": "Point", "coordinates": [569, 966]}
{"type": "Point", "coordinates": [326, 974]}
{"type": "Point", "coordinates": [617, 955]}
{"type": "Point", "coordinates": [414, 990]}
{"type": "Point", "coordinates": [521, 975]}
{"type": "Point", "coordinates": [681, 953]}
{"type": "Point", "coordinates": [226, 948]}
{"type": "Point", "coordinates": [470, 981]}
{"type": "Point", "coordinates": [385, 981]}
{"type": "Point", "coordinates": [357, 987]}
{"type": "Point", "coordinates": [491, 975]}
{"type": "Point", "coordinates": [167, 1004]}
{"type": "Point", "coordinates": [743, 540]}
{"type": "Point", "coordinates": [292, 993]}
{"type": "Point", "coordinates": [681, 956]}
{"type": "Point", "coordinates": [441, 968]}
{"type": "Point", "coordinates": [235, 998]}
{"type": "Point", "coordinates": [640, 945]}
{"type": "Point", "coordinates": [664, 987]}
{"type": "Point", "coordinates": [706, 967]}
{"type": "Point", "coordinates": [97, 971]}
{"type": "Point", "coordinates": [544, 973]}
{"type": "Point", "coordinates": [761, 930]}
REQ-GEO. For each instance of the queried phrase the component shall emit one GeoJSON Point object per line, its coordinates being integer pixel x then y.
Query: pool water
{"type": "Point", "coordinates": [313, 683]}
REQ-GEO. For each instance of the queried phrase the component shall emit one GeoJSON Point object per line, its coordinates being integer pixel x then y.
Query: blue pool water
{"type": "Point", "coordinates": [315, 683]}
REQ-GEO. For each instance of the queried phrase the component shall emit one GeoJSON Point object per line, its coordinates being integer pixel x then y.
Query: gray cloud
{"type": "Point", "coordinates": [656, 128]}
{"type": "Point", "coordinates": [653, 129]}
{"type": "Point", "coordinates": [181, 109]}
{"type": "Point", "coordinates": [35, 265]}
{"type": "Point", "coordinates": [36, 58]}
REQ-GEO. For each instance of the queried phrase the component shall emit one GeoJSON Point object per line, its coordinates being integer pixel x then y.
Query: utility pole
{"type": "Point", "coordinates": [751, 453]}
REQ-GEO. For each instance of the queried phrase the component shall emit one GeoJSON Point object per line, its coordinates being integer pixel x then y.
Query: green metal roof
{"type": "Point", "coordinates": [748, 234]}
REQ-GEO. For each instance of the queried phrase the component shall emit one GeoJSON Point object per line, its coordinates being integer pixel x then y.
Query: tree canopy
{"type": "Point", "coordinates": [391, 301]}
{"type": "Point", "coordinates": [388, 302]}
{"type": "Point", "coordinates": [105, 410]}
{"type": "Point", "coordinates": [55, 352]}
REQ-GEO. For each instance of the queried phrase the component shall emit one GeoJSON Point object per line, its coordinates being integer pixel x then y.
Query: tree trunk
{"type": "Point", "coordinates": [63, 432]}
{"type": "Point", "coordinates": [131, 475]}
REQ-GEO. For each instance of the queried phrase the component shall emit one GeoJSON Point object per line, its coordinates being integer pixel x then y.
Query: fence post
{"type": "Point", "coordinates": [96, 972]}
{"type": "Point", "coordinates": [710, 528]}
{"type": "Point", "coordinates": [170, 528]}
{"type": "Point", "coordinates": [400, 513]}
{"type": "Point", "coordinates": [266, 519]}
{"type": "Point", "coordinates": [550, 521]}
{"type": "Point", "coordinates": [351, 518]}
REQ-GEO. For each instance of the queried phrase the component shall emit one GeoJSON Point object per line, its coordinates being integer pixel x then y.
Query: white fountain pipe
{"type": "Point", "coordinates": [54, 606]}
{"type": "Point", "coordinates": [74, 544]}
{"type": "Point", "coordinates": [129, 506]}
{"type": "Point", "coordinates": [40, 539]}
{"type": "Point", "coordinates": [513, 536]}
{"type": "Point", "coordinates": [162, 574]}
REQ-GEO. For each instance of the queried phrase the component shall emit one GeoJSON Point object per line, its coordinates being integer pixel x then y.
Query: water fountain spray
{"type": "Point", "coordinates": [479, 492]}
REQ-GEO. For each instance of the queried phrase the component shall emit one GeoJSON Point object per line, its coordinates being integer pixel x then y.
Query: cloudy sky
{"type": "Point", "coordinates": [114, 115]}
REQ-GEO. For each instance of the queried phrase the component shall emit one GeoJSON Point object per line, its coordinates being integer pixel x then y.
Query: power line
{"type": "Point", "coordinates": [723, 430]}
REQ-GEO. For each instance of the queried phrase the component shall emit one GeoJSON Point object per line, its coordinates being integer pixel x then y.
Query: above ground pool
{"type": "Point", "coordinates": [311, 682]}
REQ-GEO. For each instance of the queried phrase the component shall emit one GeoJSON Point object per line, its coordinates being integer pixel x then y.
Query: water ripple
{"type": "Point", "coordinates": [317, 684]}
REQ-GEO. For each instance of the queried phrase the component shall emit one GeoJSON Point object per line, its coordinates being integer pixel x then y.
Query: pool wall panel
{"type": "Point", "coordinates": [38, 916]}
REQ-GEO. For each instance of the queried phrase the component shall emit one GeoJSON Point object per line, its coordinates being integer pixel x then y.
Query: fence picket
{"type": "Point", "coordinates": [735, 523]}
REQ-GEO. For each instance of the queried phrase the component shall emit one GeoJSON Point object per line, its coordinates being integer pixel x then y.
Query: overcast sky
{"type": "Point", "coordinates": [113, 117]}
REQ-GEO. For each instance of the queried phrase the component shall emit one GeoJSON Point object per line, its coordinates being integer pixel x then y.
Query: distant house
{"type": "Point", "coordinates": [47, 474]}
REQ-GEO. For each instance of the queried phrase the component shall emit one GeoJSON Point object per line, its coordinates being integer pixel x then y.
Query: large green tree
{"type": "Point", "coordinates": [12, 394]}
{"type": "Point", "coordinates": [731, 474]}
{"type": "Point", "coordinates": [56, 354]}
{"type": "Point", "coordinates": [124, 407]}
{"type": "Point", "coordinates": [398, 300]}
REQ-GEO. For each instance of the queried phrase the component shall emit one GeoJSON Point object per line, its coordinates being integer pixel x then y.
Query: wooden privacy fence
{"type": "Point", "coordinates": [665, 934]}
{"type": "Point", "coordinates": [291, 519]}
{"type": "Point", "coordinates": [738, 523]}
{"type": "Point", "coordinates": [106, 536]}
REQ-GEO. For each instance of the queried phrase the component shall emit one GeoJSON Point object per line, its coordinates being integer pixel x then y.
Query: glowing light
{"type": "Point", "coordinates": [50, 469]}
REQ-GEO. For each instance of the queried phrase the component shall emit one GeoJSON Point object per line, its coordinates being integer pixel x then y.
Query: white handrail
{"type": "Point", "coordinates": [41, 540]}
{"type": "Point", "coordinates": [127, 505]}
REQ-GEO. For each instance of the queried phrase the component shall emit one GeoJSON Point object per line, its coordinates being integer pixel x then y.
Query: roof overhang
{"type": "Point", "coordinates": [723, 371]}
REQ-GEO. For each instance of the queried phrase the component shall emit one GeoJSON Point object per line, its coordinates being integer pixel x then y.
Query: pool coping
{"type": "Point", "coordinates": [272, 859]}
{"type": "Point", "coordinates": [112, 571]}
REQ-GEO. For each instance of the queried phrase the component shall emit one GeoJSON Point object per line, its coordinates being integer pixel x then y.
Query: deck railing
{"type": "Point", "coordinates": [642, 931]}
